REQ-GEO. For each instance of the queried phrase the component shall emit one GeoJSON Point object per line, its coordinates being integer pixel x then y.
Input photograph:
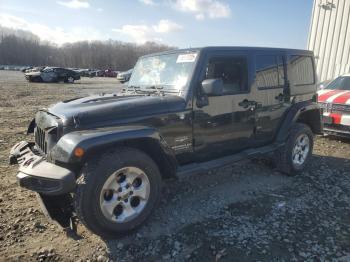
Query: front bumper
{"type": "Point", "coordinates": [337, 124]}
{"type": "Point", "coordinates": [39, 175]}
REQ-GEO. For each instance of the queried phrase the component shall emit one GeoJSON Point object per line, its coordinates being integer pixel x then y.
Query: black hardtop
{"type": "Point", "coordinates": [235, 48]}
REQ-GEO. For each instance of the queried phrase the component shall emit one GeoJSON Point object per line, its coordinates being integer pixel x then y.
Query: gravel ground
{"type": "Point", "coordinates": [246, 212]}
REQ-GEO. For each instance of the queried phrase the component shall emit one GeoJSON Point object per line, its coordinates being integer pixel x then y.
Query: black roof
{"type": "Point", "coordinates": [235, 48]}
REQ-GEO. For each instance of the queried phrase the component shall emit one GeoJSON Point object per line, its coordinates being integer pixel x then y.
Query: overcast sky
{"type": "Point", "coordinates": [182, 23]}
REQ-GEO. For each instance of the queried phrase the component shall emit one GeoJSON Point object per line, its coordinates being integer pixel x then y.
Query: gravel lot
{"type": "Point", "coordinates": [247, 212]}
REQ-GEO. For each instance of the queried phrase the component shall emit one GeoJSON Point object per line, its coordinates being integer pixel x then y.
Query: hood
{"type": "Point", "coordinates": [35, 73]}
{"type": "Point", "coordinates": [334, 96]}
{"type": "Point", "coordinates": [100, 110]}
{"type": "Point", "coordinates": [125, 73]}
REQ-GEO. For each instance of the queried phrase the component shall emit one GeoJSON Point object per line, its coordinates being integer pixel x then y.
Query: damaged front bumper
{"type": "Point", "coordinates": [37, 174]}
{"type": "Point", "coordinates": [51, 182]}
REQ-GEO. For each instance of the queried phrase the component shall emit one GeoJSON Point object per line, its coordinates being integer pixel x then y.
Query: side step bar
{"type": "Point", "coordinates": [226, 161]}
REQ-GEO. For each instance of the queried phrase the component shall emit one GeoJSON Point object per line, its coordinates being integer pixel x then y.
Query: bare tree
{"type": "Point", "coordinates": [18, 47]}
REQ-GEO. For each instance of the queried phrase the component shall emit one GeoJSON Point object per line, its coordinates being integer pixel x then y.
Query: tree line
{"type": "Point", "coordinates": [23, 48]}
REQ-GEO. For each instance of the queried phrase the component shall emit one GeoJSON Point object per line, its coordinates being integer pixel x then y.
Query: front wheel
{"type": "Point", "coordinates": [118, 192]}
{"type": "Point", "coordinates": [296, 153]}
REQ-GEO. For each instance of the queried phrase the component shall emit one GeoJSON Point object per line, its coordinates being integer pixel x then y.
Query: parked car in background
{"type": "Point", "coordinates": [26, 68]}
{"type": "Point", "coordinates": [323, 84]}
{"type": "Point", "coordinates": [99, 73]}
{"type": "Point", "coordinates": [34, 69]}
{"type": "Point", "coordinates": [334, 100]}
{"type": "Point", "coordinates": [86, 72]}
{"type": "Point", "coordinates": [110, 73]}
{"type": "Point", "coordinates": [124, 76]}
{"type": "Point", "coordinates": [95, 73]}
{"type": "Point", "coordinates": [53, 74]}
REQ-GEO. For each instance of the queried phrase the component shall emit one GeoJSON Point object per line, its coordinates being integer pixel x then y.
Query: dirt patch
{"type": "Point", "coordinates": [244, 212]}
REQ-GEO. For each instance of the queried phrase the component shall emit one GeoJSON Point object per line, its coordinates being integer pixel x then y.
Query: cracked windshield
{"type": "Point", "coordinates": [164, 72]}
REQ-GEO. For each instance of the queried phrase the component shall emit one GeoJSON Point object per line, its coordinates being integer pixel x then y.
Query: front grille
{"type": "Point", "coordinates": [334, 108]}
{"type": "Point", "coordinates": [40, 139]}
{"type": "Point", "coordinates": [46, 131]}
{"type": "Point", "coordinates": [339, 108]}
{"type": "Point", "coordinates": [326, 107]}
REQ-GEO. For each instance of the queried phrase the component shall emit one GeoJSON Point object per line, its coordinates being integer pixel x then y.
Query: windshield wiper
{"type": "Point", "coordinates": [132, 88]}
{"type": "Point", "coordinates": [138, 90]}
{"type": "Point", "coordinates": [152, 89]}
{"type": "Point", "coordinates": [156, 88]}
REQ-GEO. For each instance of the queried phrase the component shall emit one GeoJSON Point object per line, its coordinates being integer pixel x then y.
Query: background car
{"type": "Point", "coordinates": [26, 68]}
{"type": "Point", "coordinates": [96, 72]}
{"type": "Point", "coordinates": [334, 99]}
{"type": "Point", "coordinates": [53, 74]}
{"type": "Point", "coordinates": [110, 73]}
{"type": "Point", "coordinates": [323, 84]}
{"type": "Point", "coordinates": [124, 76]}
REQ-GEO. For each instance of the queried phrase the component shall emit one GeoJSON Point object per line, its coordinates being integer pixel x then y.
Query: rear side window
{"type": "Point", "coordinates": [269, 71]}
{"type": "Point", "coordinates": [233, 70]}
{"type": "Point", "coordinates": [302, 70]}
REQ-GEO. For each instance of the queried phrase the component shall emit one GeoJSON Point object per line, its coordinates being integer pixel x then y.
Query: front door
{"type": "Point", "coordinates": [224, 124]}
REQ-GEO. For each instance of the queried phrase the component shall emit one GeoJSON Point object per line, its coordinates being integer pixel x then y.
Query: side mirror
{"type": "Point", "coordinates": [213, 87]}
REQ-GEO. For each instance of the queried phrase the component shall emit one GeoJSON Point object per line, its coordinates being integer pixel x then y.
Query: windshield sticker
{"type": "Point", "coordinates": [186, 58]}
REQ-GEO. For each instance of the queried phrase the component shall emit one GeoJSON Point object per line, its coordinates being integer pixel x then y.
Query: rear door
{"type": "Point", "coordinates": [271, 93]}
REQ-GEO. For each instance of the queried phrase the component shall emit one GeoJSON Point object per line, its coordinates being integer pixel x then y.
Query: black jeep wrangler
{"type": "Point", "coordinates": [103, 158]}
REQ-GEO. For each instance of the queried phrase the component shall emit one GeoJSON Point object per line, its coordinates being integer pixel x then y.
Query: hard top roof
{"type": "Point", "coordinates": [233, 48]}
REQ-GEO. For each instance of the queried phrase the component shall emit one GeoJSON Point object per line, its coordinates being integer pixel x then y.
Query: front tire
{"type": "Point", "coordinates": [295, 155]}
{"type": "Point", "coordinates": [117, 192]}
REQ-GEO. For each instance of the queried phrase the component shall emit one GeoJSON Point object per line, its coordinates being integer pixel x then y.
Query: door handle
{"type": "Point", "coordinates": [244, 103]}
{"type": "Point", "coordinates": [280, 97]}
{"type": "Point", "coordinates": [248, 104]}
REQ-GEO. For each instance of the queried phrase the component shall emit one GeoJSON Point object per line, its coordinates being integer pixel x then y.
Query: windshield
{"type": "Point", "coordinates": [341, 83]}
{"type": "Point", "coordinates": [169, 72]}
{"type": "Point", "coordinates": [47, 70]}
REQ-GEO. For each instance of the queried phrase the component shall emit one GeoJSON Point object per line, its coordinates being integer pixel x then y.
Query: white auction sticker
{"type": "Point", "coordinates": [186, 58]}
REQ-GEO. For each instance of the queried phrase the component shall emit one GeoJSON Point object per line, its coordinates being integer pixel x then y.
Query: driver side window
{"type": "Point", "coordinates": [232, 70]}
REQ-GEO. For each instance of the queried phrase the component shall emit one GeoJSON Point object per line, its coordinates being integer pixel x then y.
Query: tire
{"type": "Point", "coordinates": [70, 79]}
{"type": "Point", "coordinates": [90, 202]}
{"type": "Point", "coordinates": [289, 162]}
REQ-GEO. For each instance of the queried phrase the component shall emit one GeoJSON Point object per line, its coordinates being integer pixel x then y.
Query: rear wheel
{"type": "Point", "coordinates": [118, 192]}
{"type": "Point", "coordinates": [70, 79]}
{"type": "Point", "coordinates": [296, 153]}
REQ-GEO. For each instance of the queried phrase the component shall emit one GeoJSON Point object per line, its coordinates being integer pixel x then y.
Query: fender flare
{"type": "Point", "coordinates": [99, 138]}
{"type": "Point", "coordinates": [292, 116]}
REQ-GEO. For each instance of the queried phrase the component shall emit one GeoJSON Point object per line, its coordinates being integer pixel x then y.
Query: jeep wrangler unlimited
{"type": "Point", "coordinates": [102, 158]}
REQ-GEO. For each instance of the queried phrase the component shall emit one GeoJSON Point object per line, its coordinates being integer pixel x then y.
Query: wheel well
{"type": "Point", "coordinates": [166, 163]}
{"type": "Point", "coordinates": [312, 118]}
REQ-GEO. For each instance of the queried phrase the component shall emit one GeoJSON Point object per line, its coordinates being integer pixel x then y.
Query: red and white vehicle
{"type": "Point", "coordinates": [334, 100]}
